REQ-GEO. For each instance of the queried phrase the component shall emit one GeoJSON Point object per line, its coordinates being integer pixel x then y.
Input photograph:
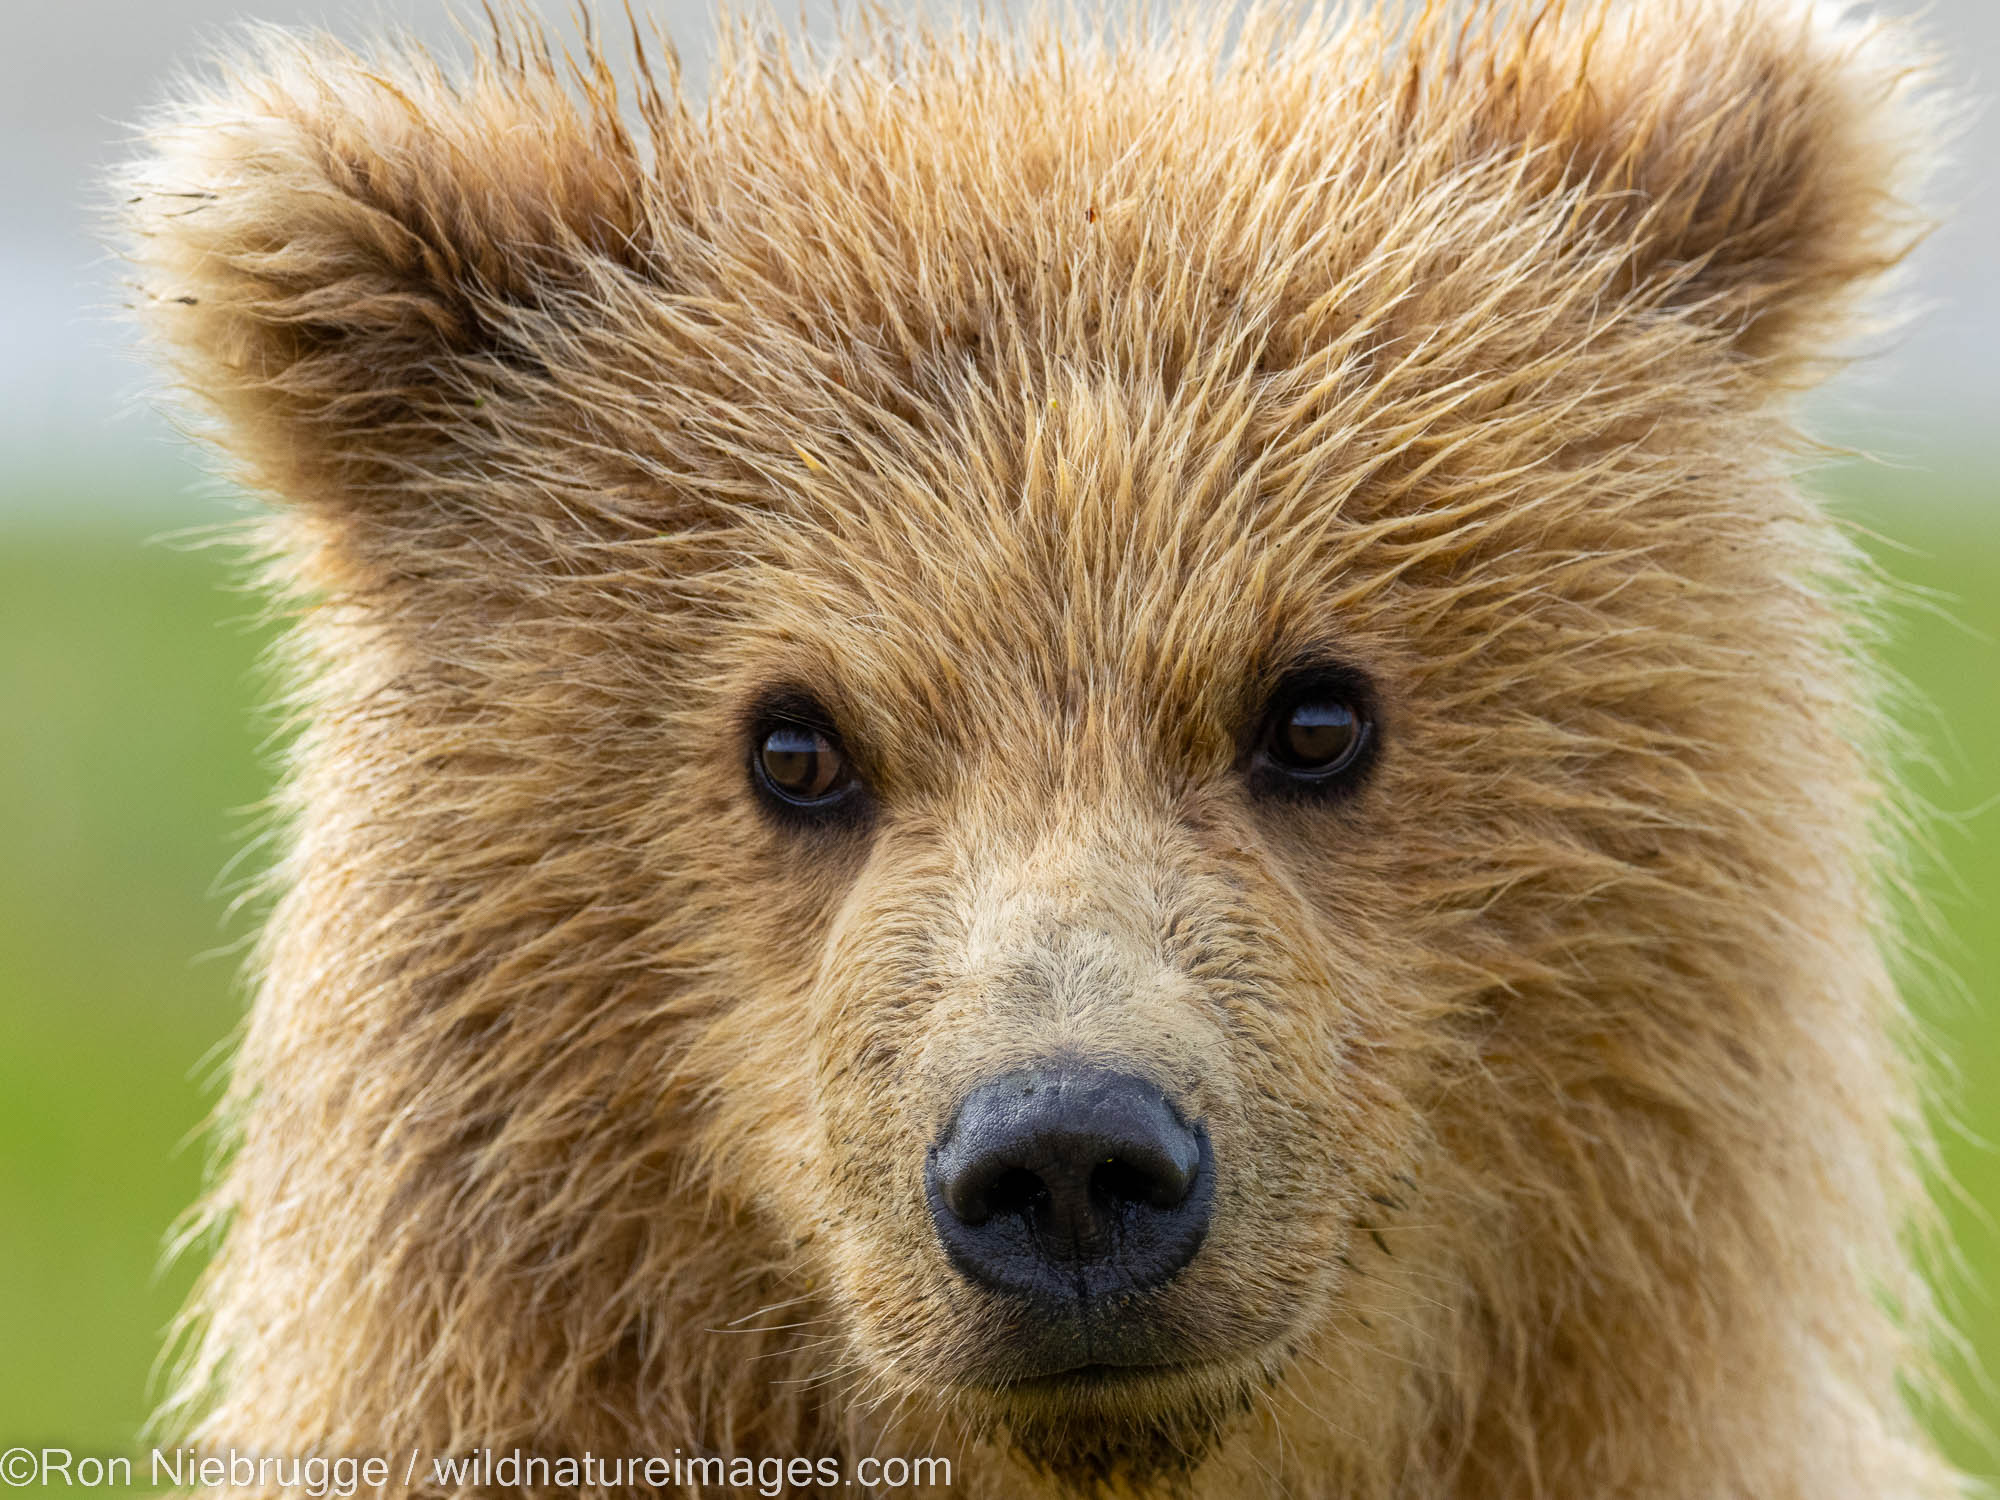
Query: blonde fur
{"type": "Point", "coordinates": [1031, 396]}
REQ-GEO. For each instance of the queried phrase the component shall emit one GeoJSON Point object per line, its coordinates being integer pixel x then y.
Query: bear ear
{"type": "Point", "coordinates": [1755, 160]}
{"type": "Point", "coordinates": [343, 257]}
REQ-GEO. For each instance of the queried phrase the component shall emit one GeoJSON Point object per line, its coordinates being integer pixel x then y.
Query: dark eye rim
{"type": "Point", "coordinates": [845, 802]}
{"type": "Point", "coordinates": [1270, 776]}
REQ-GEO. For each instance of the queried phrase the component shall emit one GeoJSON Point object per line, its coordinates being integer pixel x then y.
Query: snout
{"type": "Point", "coordinates": [1070, 1185]}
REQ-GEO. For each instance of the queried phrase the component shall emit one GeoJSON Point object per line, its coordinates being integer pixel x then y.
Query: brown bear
{"type": "Point", "coordinates": [1114, 751]}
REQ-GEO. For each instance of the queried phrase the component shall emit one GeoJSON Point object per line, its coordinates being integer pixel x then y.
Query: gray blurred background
{"type": "Point", "coordinates": [74, 78]}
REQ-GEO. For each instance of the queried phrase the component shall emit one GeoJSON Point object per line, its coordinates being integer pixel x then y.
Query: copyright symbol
{"type": "Point", "coordinates": [18, 1466]}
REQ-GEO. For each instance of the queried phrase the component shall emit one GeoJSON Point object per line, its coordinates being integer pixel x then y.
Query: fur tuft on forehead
{"type": "Point", "coordinates": [1319, 236]}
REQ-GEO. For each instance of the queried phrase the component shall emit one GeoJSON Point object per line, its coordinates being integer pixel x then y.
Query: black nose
{"type": "Point", "coordinates": [1070, 1182]}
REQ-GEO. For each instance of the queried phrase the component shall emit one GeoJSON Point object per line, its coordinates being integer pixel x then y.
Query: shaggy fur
{"type": "Point", "coordinates": [1032, 399]}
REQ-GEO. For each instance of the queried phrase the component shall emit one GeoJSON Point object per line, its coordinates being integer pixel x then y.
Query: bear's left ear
{"type": "Point", "coordinates": [349, 261]}
{"type": "Point", "coordinates": [1755, 159]}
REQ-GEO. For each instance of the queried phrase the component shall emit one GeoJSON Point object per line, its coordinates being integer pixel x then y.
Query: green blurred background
{"type": "Point", "coordinates": [130, 761]}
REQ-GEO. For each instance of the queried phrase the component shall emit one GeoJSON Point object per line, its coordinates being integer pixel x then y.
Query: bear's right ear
{"type": "Point", "coordinates": [336, 253]}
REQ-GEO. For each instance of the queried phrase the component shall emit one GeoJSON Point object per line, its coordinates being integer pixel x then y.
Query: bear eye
{"type": "Point", "coordinates": [803, 765]}
{"type": "Point", "coordinates": [1317, 735]}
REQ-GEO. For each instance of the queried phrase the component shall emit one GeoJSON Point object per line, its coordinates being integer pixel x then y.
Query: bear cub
{"type": "Point", "coordinates": [1114, 749]}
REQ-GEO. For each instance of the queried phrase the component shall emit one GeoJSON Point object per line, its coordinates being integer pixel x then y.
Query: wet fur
{"type": "Point", "coordinates": [1035, 399]}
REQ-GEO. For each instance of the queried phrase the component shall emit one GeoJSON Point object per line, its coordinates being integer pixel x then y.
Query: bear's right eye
{"type": "Point", "coordinates": [802, 765]}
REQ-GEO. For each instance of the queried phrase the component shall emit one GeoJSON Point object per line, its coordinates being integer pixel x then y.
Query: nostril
{"type": "Point", "coordinates": [1016, 1191]}
{"type": "Point", "coordinates": [989, 1186]}
{"type": "Point", "coordinates": [1119, 1181]}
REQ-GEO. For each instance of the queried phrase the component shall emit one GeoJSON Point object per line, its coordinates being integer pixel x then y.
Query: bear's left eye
{"type": "Point", "coordinates": [1317, 735]}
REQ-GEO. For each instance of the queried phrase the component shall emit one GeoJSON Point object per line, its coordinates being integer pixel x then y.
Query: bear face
{"type": "Point", "coordinates": [1130, 750]}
